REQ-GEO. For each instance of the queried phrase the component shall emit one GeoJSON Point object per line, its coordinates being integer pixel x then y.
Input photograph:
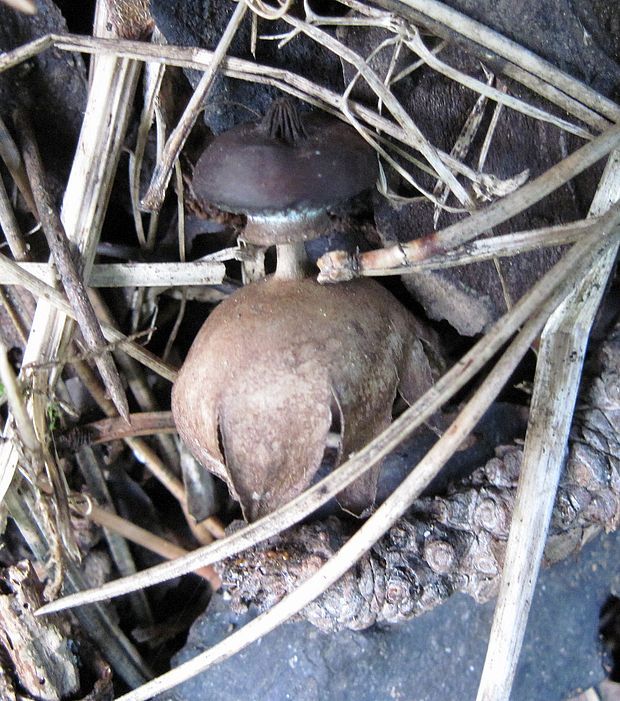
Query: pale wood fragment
{"type": "Point", "coordinates": [558, 372]}
{"type": "Point", "coordinates": [160, 275]}
{"type": "Point", "coordinates": [39, 650]}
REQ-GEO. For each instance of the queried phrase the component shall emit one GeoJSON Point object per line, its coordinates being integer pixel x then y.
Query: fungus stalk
{"type": "Point", "coordinates": [292, 261]}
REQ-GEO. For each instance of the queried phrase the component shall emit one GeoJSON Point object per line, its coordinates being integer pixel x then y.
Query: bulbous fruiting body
{"type": "Point", "coordinates": [278, 365]}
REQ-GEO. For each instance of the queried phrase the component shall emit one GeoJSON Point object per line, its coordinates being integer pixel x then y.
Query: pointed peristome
{"type": "Point", "coordinates": [285, 172]}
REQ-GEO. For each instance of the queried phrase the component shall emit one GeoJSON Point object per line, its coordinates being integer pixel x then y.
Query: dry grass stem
{"type": "Point", "coordinates": [10, 227]}
{"type": "Point", "coordinates": [92, 385]}
{"type": "Point", "coordinates": [41, 290]}
{"type": "Point", "coordinates": [558, 373]}
{"type": "Point", "coordinates": [71, 281]}
{"type": "Point", "coordinates": [142, 424]}
{"type": "Point", "coordinates": [104, 631]}
{"type": "Point", "coordinates": [15, 315]}
{"type": "Point", "coordinates": [240, 69]}
{"type": "Point", "coordinates": [417, 64]}
{"type": "Point", "coordinates": [145, 455]}
{"type": "Point", "coordinates": [39, 462]}
{"type": "Point", "coordinates": [491, 129]}
{"type": "Point", "coordinates": [531, 80]}
{"type": "Point", "coordinates": [28, 7]}
{"type": "Point", "coordinates": [180, 190]}
{"type": "Point", "coordinates": [138, 384]}
{"type": "Point", "coordinates": [397, 139]}
{"type": "Point", "coordinates": [372, 139]}
{"type": "Point", "coordinates": [12, 159]}
{"type": "Point", "coordinates": [93, 474]}
{"type": "Point", "coordinates": [23, 53]}
{"type": "Point", "coordinates": [155, 194]}
{"type": "Point", "coordinates": [395, 108]}
{"type": "Point", "coordinates": [128, 431]}
{"type": "Point", "coordinates": [153, 76]}
{"type": "Point", "coordinates": [555, 97]}
{"type": "Point", "coordinates": [482, 35]}
{"type": "Point", "coordinates": [416, 44]}
{"type": "Point", "coordinates": [160, 275]}
{"type": "Point", "coordinates": [84, 205]}
{"type": "Point", "coordinates": [10, 153]}
{"type": "Point", "coordinates": [139, 536]}
{"type": "Point", "coordinates": [14, 393]}
{"type": "Point", "coordinates": [338, 265]}
{"type": "Point", "coordinates": [461, 146]}
{"type": "Point", "coordinates": [495, 247]}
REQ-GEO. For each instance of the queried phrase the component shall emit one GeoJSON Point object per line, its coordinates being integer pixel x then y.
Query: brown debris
{"type": "Point", "coordinates": [131, 18]}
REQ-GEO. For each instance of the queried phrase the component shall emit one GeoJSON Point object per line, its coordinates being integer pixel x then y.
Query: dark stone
{"type": "Point", "coordinates": [582, 38]}
{"type": "Point", "coordinates": [230, 102]}
{"type": "Point", "coordinates": [51, 87]}
{"type": "Point", "coordinates": [500, 425]}
{"type": "Point", "coordinates": [437, 656]}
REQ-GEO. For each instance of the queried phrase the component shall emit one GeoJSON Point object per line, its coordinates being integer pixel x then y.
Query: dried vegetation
{"type": "Point", "coordinates": [53, 492]}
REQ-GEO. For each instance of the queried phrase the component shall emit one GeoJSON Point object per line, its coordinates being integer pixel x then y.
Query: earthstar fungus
{"type": "Point", "coordinates": [285, 362]}
{"type": "Point", "coordinates": [284, 172]}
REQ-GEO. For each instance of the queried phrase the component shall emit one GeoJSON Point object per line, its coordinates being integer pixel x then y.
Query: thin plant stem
{"type": "Point", "coordinates": [10, 227]}
{"type": "Point", "coordinates": [501, 46]}
{"type": "Point", "coordinates": [337, 265]}
{"type": "Point", "coordinates": [558, 373]}
{"type": "Point", "coordinates": [71, 281]}
{"type": "Point", "coordinates": [416, 44]}
{"type": "Point", "coordinates": [155, 194]}
{"type": "Point", "coordinates": [40, 289]}
{"type": "Point", "coordinates": [398, 112]}
{"type": "Point", "coordinates": [138, 535]}
{"type": "Point", "coordinates": [120, 552]}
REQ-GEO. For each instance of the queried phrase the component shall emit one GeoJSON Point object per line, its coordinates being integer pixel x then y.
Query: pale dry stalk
{"type": "Point", "coordinates": [72, 283]}
{"type": "Point", "coordinates": [284, 80]}
{"type": "Point", "coordinates": [56, 299]}
{"type": "Point", "coordinates": [558, 373]}
{"type": "Point", "coordinates": [84, 205]}
{"type": "Point", "coordinates": [338, 265]}
{"type": "Point", "coordinates": [163, 170]}
{"type": "Point", "coordinates": [140, 536]}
